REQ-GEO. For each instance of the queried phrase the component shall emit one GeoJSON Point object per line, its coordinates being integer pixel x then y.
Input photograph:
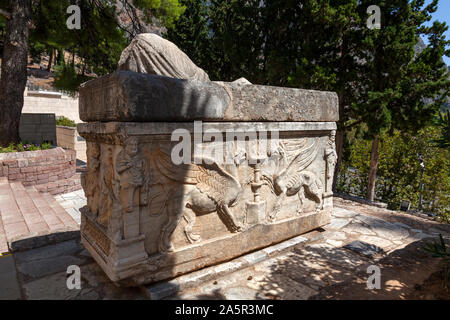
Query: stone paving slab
{"type": "Point", "coordinates": [9, 285]}
{"type": "Point", "coordinates": [72, 203]}
{"type": "Point", "coordinates": [312, 273]}
{"type": "Point", "coordinates": [368, 250]}
{"type": "Point", "coordinates": [41, 274]}
{"type": "Point", "coordinates": [3, 241]}
{"type": "Point", "coordinates": [54, 287]}
{"type": "Point", "coordinates": [40, 262]}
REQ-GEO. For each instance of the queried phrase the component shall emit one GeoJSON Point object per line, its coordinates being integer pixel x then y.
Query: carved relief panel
{"type": "Point", "coordinates": [138, 190]}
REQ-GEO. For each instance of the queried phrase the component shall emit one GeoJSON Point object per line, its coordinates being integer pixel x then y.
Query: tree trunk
{"type": "Point", "coordinates": [50, 60]}
{"type": "Point", "coordinates": [373, 169]}
{"type": "Point", "coordinates": [14, 70]}
{"type": "Point", "coordinates": [60, 57]}
{"type": "Point", "coordinates": [339, 150]}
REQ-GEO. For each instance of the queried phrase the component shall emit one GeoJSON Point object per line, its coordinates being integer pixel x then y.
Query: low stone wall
{"type": "Point", "coordinates": [68, 138]}
{"type": "Point", "coordinates": [52, 170]}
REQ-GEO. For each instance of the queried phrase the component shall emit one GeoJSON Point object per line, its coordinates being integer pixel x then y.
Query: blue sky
{"type": "Point", "coordinates": [443, 15]}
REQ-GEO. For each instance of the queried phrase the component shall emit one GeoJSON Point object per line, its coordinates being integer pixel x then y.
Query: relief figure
{"type": "Point", "coordinates": [107, 189]}
{"type": "Point", "coordinates": [205, 188]}
{"type": "Point", "coordinates": [130, 168]}
{"type": "Point", "coordinates": [331, 159]}
{"type": "Point", "coordinates": [90, 180]}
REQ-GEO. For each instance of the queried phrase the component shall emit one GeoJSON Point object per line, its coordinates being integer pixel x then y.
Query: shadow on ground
{"type": "Point", "coordinates": [42, 274]}
{"type": "Point", "coordinates": [403, 272]}
{"type": "Point", "coordinates": [320, 270]}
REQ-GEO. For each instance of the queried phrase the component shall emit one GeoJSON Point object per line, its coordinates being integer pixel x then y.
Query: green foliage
{"type": "Point", "coordinates": [443, 121]}
{"type": "Point", "coordinates": [191, 32]}
{"type": "Point", "coordinates": [401, 88]}
{"type": "Point", "coordinates": [222, 37]}
{"type": "Point", "coordinates": [9, 149]}
{"type": "Point", "coordinates": [399, 169]}
{"type": "Point", "coordinates": [439, 249]}
{"type": "Point", "coordinates": [46, 146]}
{"type": "Point", "coordinates": [24, 146]}
{"type": "Point", "coordinates": [67, 79]}
{"type": "Point", "coordinates": [96, 48]}
{"type": "Point", "coordinates": [66, 122]}
{"type": "Point", "coordinates": [168, 11]}
{"type": "Point", "coordinates": [36, 51]}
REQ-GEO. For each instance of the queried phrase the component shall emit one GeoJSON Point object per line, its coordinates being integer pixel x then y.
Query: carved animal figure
{"type": "Point", "coordinates": [294, 179]}
{"type": "Point", "coordinates": [298, 183]}
{"type": "Point", "coordinates": [149, 53]}
{"type": "Point", "coordinates": [205, 188]}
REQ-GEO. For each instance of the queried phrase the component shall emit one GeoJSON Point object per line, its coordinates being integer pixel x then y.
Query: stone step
{"type": "Point", "coordinates": [48, 214]}
{"type": "Point", "coordinates": [33, 218]}
{"type": "Point", "coordinates": [29, 218]}
{"type": "Point", "coordinates": [13, 222]}
{"type": "Point", "coordinates": [62, 214]}
{"type": "Point", "coordinates": [191, 280]}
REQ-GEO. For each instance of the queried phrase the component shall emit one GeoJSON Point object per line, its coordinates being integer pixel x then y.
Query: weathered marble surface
{"type": "Point", "coordinates": [151, 54]}
{"type": "Point", "coordinates": [126, 96]}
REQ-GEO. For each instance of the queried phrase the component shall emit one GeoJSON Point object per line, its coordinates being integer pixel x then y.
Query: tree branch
{"type": "Point", "coordinates": [5, 14]}
{"type": "Point", "coordinates": [352, 124]}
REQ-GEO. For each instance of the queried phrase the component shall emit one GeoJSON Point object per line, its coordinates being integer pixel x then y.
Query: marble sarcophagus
{"type": "Point", "coordinates": [184, 174]}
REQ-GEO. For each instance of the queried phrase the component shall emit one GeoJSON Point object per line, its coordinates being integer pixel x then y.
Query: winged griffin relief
{"type": "Point", "coordinates": [188, 190]}
{"type": "Point", "coordinates": [291, 178]}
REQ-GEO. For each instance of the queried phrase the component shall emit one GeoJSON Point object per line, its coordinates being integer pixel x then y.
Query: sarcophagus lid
{"type": "Point", "coordinates": [126, 96]}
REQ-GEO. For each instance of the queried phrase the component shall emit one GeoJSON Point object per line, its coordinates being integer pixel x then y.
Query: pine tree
{"type": "Point", "coordinates": [404, 89]}
{"type": "Point", "coordinates": [327, 37]}
{"type": "Point", "coordinates": [443, 122]}
{"type": "Point", "coordinates": [228, 38]}
{"type": "Point", "coordinates": [191, 32]}
{"type": "Point", "coordinates": [98, 43]}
